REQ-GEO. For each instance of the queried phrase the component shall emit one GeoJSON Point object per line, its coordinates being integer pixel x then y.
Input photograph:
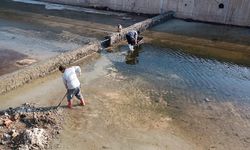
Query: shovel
{"type": "Point", "coordinates": [61, 100]}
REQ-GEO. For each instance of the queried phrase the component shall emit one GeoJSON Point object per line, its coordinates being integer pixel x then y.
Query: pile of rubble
{"type": "Point", "coordinates": [28, 127]}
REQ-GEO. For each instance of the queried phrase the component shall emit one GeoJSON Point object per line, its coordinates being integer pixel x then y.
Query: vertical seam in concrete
{"type": "Point", "coordinates": [161, 7]}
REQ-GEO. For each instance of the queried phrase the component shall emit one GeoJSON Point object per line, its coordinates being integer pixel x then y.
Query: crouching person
{"type": "Point", "coordinates": [133, 39]}
{"type": "Point", "coordinates": [72, 84]}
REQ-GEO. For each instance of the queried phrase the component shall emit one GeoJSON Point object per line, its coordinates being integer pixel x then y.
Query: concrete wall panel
{"type": "Point", "coordinates": [235, 12]}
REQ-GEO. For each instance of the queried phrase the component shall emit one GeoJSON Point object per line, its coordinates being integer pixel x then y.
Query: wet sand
{"type": "Point", "coordinates": [8, 60]}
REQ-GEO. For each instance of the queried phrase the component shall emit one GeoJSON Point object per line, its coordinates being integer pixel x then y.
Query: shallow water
{"type": "Point", "coordinates": [200, 30]}
{"type": "Point", "coordinates": [191, 76]}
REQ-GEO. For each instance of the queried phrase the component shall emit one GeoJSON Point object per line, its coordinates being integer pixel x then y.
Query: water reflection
{"type": "Point", "coordinates": [187, 74]}
{"type": "Point", "coordinates": [132, 58]}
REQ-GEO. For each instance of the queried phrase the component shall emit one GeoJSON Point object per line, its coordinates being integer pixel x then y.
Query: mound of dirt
{"type": "Point", "coordinates": [29, 127]}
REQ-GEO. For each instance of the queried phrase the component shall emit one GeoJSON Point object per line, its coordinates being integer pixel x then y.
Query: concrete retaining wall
{"type": "Point", "coordinates": [235, 12]}
{"type": "Point", "coordinates": [20, 77]}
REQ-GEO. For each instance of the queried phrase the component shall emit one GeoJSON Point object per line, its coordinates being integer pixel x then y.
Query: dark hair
{"type": "Point", "coordinates": [139, 32]}
{"type": "Point", "coordinates": [61, 68]}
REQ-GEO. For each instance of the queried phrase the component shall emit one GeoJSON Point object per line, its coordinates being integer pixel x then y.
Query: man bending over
{"type": "Point", "coordinates": [72, 83]}
{"type": "Point", "coordinates": [133, 39]}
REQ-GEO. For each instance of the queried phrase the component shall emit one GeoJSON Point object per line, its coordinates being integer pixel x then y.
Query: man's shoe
{"type": "Point", "coordinates": [82, 102]}
{"type": "Point", "coordinates": [69, 104]}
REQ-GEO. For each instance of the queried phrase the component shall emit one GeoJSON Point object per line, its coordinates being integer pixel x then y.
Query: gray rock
{"type": "Point", "coordinates": [6, 137]}
{"type": "Point", "coordinates": [207, 100]}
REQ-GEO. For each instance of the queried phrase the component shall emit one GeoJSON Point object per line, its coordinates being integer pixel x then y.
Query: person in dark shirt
{"type": "Point", "coordinates": [133, 39]}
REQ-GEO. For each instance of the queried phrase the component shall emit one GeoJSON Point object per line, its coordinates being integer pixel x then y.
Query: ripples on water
{"type": "Point", "coordinates": [190, 76]}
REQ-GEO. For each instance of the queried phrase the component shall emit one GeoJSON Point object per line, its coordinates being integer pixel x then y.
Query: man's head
{"type": "Point", "coordinates": [61, 68]}
{"type": "Point", "coordinates": [138, 32]}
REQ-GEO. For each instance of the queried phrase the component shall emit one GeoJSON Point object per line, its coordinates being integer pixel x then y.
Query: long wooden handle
{"type": "Point", "coordinates": [61, 100]}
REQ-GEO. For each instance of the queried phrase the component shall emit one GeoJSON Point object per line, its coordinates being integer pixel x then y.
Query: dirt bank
{"type": "Point", "coordinates": [43, 68]}
{"type": "Point", "coordinates": [29, 127]}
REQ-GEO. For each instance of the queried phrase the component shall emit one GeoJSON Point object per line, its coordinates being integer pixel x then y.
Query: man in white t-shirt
{"type": "Point", "coordinates": [72, 83]}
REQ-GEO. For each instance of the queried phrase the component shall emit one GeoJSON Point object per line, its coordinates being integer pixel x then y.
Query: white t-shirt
{"type": "Point", "coordinates": [70, 79]}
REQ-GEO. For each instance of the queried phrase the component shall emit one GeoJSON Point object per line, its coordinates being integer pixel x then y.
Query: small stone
{"type": "Point", "coordinates": [26, 104]}
{"type": "Point", "coordinates": [22, 116]}
{"type": "Point", "coordinates": [104, 147]}
{"type": "Point", "coordinates": [14, 133]}
{"type": "Point", "coordinates": [6, 137]}
{"type": "Point", "coordinates": [23, 147]}
{"type": "Point", "coordinates": [207, 100]}
{"type": "Point", "coordinates": [15, 117]}
{"type": "Point", "coordinates": [6, 114]}
{"type": "Point", "coordinates": [7, 122]}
